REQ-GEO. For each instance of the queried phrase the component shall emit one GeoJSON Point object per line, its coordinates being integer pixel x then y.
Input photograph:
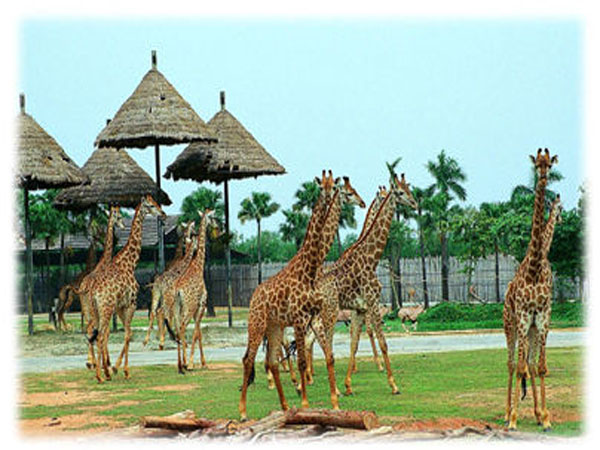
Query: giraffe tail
{"type": "Point", "coordinates": [94, 336]}
{"type": "Point", "coordinates": [173, 336]}
{"type": "Point", "coordinates": [523, 387]}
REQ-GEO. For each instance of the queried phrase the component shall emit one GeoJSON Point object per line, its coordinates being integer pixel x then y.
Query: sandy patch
{"type": "Point", "coordinates": [451, 423]}
{"type": "Point", "coordinates": [60, 398]}
{"type": "Point", "coordinates": [46, 426]}
{"type": "Point", "coordinates": [174, 387]}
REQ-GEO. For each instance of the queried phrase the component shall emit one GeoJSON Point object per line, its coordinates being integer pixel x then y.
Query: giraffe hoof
{"type": "Point", "coordinates": [348, 394]}
{"type": "Point", "coordinates": [161, 347]}
{"type": "Point", "coordinates": [89, 365]}
{"type": "Point", "coordinates": [115, 370]}
{"type": "Point", "coordinates": [547, 429]}
{"type": "Point", "coordinates": [396, 393]}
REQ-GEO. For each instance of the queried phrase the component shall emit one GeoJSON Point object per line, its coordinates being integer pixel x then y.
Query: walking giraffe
{"type": "Point", "coordinates": [330, 310]}
{"type": "Point", "coordinates": [115, 289]}
{"type": "Point", "coordinates": [353, 284]}
{"type": "Point", "coordinates": [164, 280]}
{"type": "Point", "coordinates": [114, 220]}
{"type": "Point", "coordinates": [527, 307]}
{"type": "Point", "coordinates": [187, 299]}
{"type": "Point", "coordinates": [287, 299]}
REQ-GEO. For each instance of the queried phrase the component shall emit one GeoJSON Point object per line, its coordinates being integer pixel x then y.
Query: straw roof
{"type": "Point", "coordinates": [115, 178]}
{"type": "Point", "coordinates": [237, 154]}
{"type": "Point", "coordinates": [154, 114]}
{"type": "Point", "coordinates": [43, 164]}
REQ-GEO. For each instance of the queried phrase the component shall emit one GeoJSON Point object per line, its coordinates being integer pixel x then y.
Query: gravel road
{"type": "Point", "coordinates": [397, 344]}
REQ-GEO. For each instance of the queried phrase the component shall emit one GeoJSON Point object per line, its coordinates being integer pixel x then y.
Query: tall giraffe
{"type": "Point", "coordinates": [114, 220]}
{"type": "Point", "coordinates": [164, 280]}
{"type": "Point", "coordinates": [527, 307]}
{"type": "Point", "coordinates": [353, 284]}
{"type": "Point", "coordinates": [310, 339]}
{"type": "Point", "coordinates": [115, 288]}
{"type": "Point", "coordinates": [187, 299]}
{"type": "Point", "coordinates": [286, 299]}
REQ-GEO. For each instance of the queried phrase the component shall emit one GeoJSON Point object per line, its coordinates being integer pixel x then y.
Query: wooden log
{"type": "Point", "coordinates": [360, 420]}
{"type": "Point", "coordinates": [275, 419]}
{"type": "Point", "coordinates": [176, 423]}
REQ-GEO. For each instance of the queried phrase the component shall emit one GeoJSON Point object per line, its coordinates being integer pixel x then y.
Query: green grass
{"type": "Point", "coordinates": [457, 316]}
{"type": "Point", "coordinates": [435, 385]}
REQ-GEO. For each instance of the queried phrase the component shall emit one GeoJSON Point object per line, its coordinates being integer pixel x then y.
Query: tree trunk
{"type": "Point", "coordinates": [393, 293]}
{"type": "Point", "coordinates": [258, 253]}
{"type": "Point", "coordinates": [445, 288]}
{"type": "Point", "coordinates": [423, 267]}
{"type": "Point", "coordinates": [47, 283]}
{"type": "Point", "coordinates": [62, 259]}
{"type": "Point", "coordinates": [362, 420]}
{"type": "Point", "coordinates": [399, 279]}
{"type": "Point", "coordinates": [497, 268]}
{"type": "Point", "coordinates": [210, 307]}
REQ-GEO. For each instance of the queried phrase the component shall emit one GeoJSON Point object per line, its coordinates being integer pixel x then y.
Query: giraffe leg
{"type": "Point", "coordinates": [153, 305]}
{"type": "Point", "coordinates": [274, 336]}
{"type": "Point", "coordinates": [160, 318]}
{"type": "Point", "coordinates": [325, 344]}
{"type": "Point", "coordinates": [374, 313]}
{"type": "Point", "coordinates": [358, 319]}
{"type": "Point", "coordinates": [543, 370]}
{"type": "Point", "coordinates": [256, 330]}
{"type": "Point", "coordinates": [121, 314]}
{"type": "Point", "coordinates": [533, 351]}
{"type": "Point", "coordinates": [199, 322]}
{"type": "Point", "coordinates": [301, 345]}
{"type": "Point", "coordinates": [373, 347]}
{"type": "Point", "coordinates": [184, 341]}
{"type": "Point", "coordinates": [310, 341]}
{"type": "Point", "coordinates": [105, 353]}
{"type": "Point", "coordinates": [510, 345]}
{"type": "Point", "coordinates": [126, 318]}
{"type": "Point", "coordinates": [521, 370]}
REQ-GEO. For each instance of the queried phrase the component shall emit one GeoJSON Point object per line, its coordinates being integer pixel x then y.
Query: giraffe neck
{"type": "Point", "coordinates": [316, 220]}
{"type": "Point", "coordinates": [179, 250]}
{"type": "Point", "coordinates": [197, 262]}
{"type": "Point", "coordinates": [189, 249]}
{"type": "Point", "coordinates": [129, 255]}
{"type": "Point", "coordinates": [329, 229]}
{"type": "Point", "coordinates": [549, 231]}
{"type": "Point", "coordinates": [534, 250]}
{"type": "Point", "coordinates": [109, 242]}
{"type": "Point", "coordinates": [371, 213]}
{"type": "Point", "coordinates": [373, 242]}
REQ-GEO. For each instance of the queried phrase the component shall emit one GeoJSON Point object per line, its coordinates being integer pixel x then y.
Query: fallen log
{"type": "Point", "coordinates": [176, 423]}
{"type": "Point", "coordinates": [360, 420]}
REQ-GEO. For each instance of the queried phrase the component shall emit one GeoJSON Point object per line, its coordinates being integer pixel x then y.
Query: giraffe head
{"type": "Point", "coordinates": [149, 206]}
{"type": "Point", "coordinates": [326, 183]}
{"type": "Point", "coordinates": [348, 194]}
{"type": "Point", "coordinates": [557, 208]}
{"type": "Point", "coordinates": [382, 193]}
{"type": "Point", "coordinates": [188, 230]}
{"type": "Point", "coordinates": [401, 191]}
{"type": "Point", "coordinates": [118, 219]}
{"type": "Point", "coordinates": [543, 162]}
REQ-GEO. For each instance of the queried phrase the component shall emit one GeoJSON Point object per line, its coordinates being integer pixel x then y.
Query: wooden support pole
{"type": "Point", "coordinates": [228, 259]}
{"type": "Point", "coordinates": [28, 260]}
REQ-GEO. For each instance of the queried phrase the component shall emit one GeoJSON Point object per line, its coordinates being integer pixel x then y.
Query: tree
{"type": "Point", "coordinates": [257, 207]}
{"type": "Point", "coordinates": [495, 211]}
{"type": "Point", "coordinates": [201, 199]}
{"type": "Point", "coordinates": [294, 227]}
{"type": "Point", "coordinates": [424, 221]}
{"type": "Point", "coordinates": [448, 177]}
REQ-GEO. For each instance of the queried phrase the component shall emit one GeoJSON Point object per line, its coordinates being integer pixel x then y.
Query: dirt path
{"type": "Point", "coordinates": [396, 345]}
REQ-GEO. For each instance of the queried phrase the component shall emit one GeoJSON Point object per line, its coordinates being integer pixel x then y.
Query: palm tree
{"type": "Point", "coordinates": [424, 221]}
{"type": "Point", "coordinates": [294, 227]}
{"type": "Point", "coordinates": [448, 177]}
{"type": "Point", "coordinates": [529, 190]}
{"type": "Point", "coordinates": [258, 207]}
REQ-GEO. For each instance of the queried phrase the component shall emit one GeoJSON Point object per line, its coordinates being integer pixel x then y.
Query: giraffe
{"type": "Point", "coordinates": [115, 288]}
{"type": "Point", "coordinates": [286, 299]}
{"type": "Point", "coordinates": [527, 307]}
{"type": "Point", "coordinates": [371, 213]}
{"type": "Point", "coordinates": [114, 220]}
{"type": "Point", "coordinates": [187, 299]}
{"type": "Point", "coordinates": [353, 283]}
{"type": "Point", "coordinates": [163, 281]}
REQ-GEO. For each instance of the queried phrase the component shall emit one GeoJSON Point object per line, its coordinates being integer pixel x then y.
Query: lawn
{"type": "Point", "coordinates": [434, 385]}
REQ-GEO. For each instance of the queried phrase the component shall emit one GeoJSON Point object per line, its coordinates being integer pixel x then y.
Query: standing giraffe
{"type": "Point", "coordinates": [114, 219]}
{"type": "Point", "coordinates": [353, 284]}
{"type": "Point", "coordinates": [187, 299]}
{"type": "Point", "coordinates": [310, 339]}
{"type": "Point", "coordinates": [164, 280]}
{"type": "Point", "coordinates": [527, 308]}
{"type": "Point", "coordinates": [115, 288]}
{"type": "Point", "coordinates": [287, 299]}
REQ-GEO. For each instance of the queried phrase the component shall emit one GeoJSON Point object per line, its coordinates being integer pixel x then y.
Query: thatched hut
{"type": "Point", "coordinates": [154, 114]}
{"type": "Point", "coordinates": [115, 178]}
{"type": "Point", "coordinates": [236, 155]}
{"type": "Point", "coordinates": [43, 164]}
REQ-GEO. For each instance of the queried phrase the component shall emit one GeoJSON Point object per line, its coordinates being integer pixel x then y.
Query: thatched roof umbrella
{"type": "Point", "coordinates": [154, 114]}
{"type": "Point", "coordinates": [43, 164]}
{"type": "Point", "coordinates": [115, 179]}
{"type": "Point", "coordinates": [236, 155]}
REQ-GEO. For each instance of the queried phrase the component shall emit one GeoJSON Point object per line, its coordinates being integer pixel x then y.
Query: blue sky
{"type": "Point", "coordinates": [341, 94]}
